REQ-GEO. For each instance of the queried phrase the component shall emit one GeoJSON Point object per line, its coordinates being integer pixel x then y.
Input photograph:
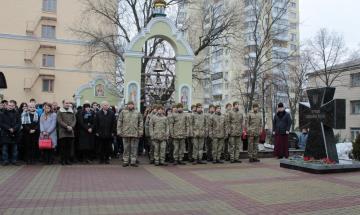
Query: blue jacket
{"type": "Point", "coordinates": [302, 140]}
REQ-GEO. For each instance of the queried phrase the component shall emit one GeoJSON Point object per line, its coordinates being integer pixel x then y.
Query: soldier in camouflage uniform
{"type": "Point", "coordinates": [189, 139]}
{"type": "Point", "coordinates": [159, 133]}
{"type": "Point", "coordinates": [235, 120]}
{"type": "Point", "coordinates": [179, 129]}
{"type": "Point", "coordinates": [228, 108]}
{"type": "Point", "coordinates": [217, 132]}
{"type": "Point", "coordinates": [199, 132]}
{"type": "Point", "coordinates": [208, 140]}
{"type": "Point", "coordinates": [147, 133]}
{"type": "Point", "coordinates": [254, 129]}
{"type": "Point", "coordinates": [130, 128]}
{"type": "Point", "coordinates": [170, 146]}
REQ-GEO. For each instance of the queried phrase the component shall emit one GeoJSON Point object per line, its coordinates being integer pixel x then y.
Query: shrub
{"type": "Point", "coordinates": [356, 148]}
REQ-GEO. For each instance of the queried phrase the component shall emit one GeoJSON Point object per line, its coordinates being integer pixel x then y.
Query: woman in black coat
{"type": "Point", "coordinates": [281, 130]}
{"type": "Point", "coordinates": [31, 130]}
{"type": "Point", "coordinates": [86, 145]}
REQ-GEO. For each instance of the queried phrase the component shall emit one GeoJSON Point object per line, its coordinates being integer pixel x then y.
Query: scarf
{"type": "Point", "coordinates": [63, 110]}
{"type": "Point", "coordinates": [87, 115]}
{"type": "Point", "coordinates": [25, 118]}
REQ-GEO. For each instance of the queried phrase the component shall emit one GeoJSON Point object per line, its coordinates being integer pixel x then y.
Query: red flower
{"type": "Point", "coordinates": [307, 158]}
{"type": "Point", "coordinates": [328, 161]}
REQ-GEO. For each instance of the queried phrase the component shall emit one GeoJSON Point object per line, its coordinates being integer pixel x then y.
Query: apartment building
{"type": "Point", "coordinates": [224, 68]}
{"type": "Point", "coordinates": [43, 59]}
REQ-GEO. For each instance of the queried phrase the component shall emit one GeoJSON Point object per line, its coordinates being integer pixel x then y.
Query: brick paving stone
{"type": "Point", "coordinates": [293, 191]}
{"type": "Point", "coordinates": [245, 188]}
{"type": "Point", "coordinates": [244, 174]}
{"type": "Point", "coordinates": [338, 211]}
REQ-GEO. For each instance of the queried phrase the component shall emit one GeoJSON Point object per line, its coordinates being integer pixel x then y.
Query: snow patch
{"type": "Point", "coordinates": [344, 150]}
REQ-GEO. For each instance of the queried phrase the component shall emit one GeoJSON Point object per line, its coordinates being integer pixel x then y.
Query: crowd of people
{"type": "Point", "coordinates": [101, 132]}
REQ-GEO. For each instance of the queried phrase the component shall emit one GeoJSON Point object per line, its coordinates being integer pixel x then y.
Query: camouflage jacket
{"type": "Point", "coordinates": [235, 120]}
{"type": "Point", "coordinates": [159, 127]}
{"type": "Point", "coordinates": [179, 125]}
{"type": "Point", "coordinates": [130, 124]}
{"type": "Point", "coordinates": [199, 125]}
{"type": "Point", "coordinates": [254, 123]}
{"type": "Point", "coordinates": [218, 126]}
{"type": "Point", "coordinates": [190, 115]}
{"type": "Point", "coordinates": [147, 124]}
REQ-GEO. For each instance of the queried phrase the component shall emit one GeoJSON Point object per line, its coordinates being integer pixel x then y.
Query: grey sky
{"type": "Point", "coordinates": [342, 16]}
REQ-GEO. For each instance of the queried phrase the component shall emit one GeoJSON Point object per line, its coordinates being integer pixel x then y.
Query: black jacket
{"type": "Point", "coordinates": [282, 123]}
{"type": "Point", "coordinates": [105, 125]}
{"type": "Point", "coordinates": [10, 119]}
{"type": "Point", "coordinates": [32, 126]}
{"type": "Point", "coordinates": [86, 139]}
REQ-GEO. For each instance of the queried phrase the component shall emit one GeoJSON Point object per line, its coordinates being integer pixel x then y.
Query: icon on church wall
{"type": "Point", "coordinates": [99, 90]}
{"type": "Point", "coordinates": [132, 93]}
{"type": "Point", "coordinates": [185, 95]}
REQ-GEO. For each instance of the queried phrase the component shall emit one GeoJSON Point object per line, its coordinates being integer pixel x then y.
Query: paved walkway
{"type": "Point", "coordinates": [261, 188]}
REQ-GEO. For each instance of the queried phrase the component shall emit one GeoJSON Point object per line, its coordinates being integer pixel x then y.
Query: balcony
{"type": "Point", "coordinates": [29, 55]}
{"type": "Point", "coordinates": [282, 36]}
{"type": "Point", "coordinates": [284, 50]}
{"type": "Point", "coordinates": [31, 26]}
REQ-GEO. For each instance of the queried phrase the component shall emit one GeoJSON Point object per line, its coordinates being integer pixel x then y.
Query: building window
{"type": "Point", "coordinates": [292, 15]}
{"type": "Point", "coordinates": [48, 85]}
{"type": "Point", "coordinates": [354, 133]}
{"type": "Point", "coordinates": [355, 79]}
{"type": "Point", "coordinates": [293, 37]}
{"type": "Point", "coordinates": [48, 60]}
{"type": "Point", "coordinates": [355, 107]}
{"type": "Point", "coordinates": [293, 26]}
{"type": "Point", "coordinates": [293, 4]}
{"type": "Point", "coordinates": [293, 47]}
{"type": "Point", "coordinates": [48, 31]}
{"type": "Point", "coordinates": [49, 5]}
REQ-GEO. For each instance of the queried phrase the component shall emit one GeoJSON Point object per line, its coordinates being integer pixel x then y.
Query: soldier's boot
{"type": "Point", "coordinates": [237, 161]}
{"type": "Point", "coordinates": [251, 160]}
{"type": "Point", "coordinates": [163, 164]}
{"type": "Point", "coordinates": [220, 161]}
{"type": "Point", "coordinates": [256, 160]}
{"type": "Point", "coordinates": [201, 162]}
{"type": "Point", "coordinates": [134, 165]}
{"type": "Point", "coordinates": [194, 162]}
{"type": "Point", "coordinates": [125, 164]}
{"type": "Point", "coordinates": [181, 162]}
{"type": "Point", "coordinates": [214, 161]}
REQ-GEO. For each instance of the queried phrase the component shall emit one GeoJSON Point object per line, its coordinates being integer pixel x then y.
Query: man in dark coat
{"type": "Point", "coordinates": [105, 128]}
{"type": "Point", "coordinates": [10, 124]}
{"type": "Point", "coordinates": [281, 129]}
{"type": "Point", "coordinates": [86, 120]}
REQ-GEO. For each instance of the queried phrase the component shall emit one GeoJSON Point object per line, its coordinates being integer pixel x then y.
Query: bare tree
{"type": "Point", "coordinates": [109, 25]}
{"type": "Point", "coordinates": [328, 50]}
{"type": "Point", "coordinates": [295, 82]}
{"type": "Point", "coordinates": [354, 54]}
{"type": "Point", "coordinates": [209, 25]}
{"type": "Point", "coordinates": [265, 30]}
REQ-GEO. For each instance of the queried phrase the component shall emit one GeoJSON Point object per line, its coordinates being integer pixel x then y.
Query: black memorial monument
{"type": "Point", "coordinates": [323, 115]}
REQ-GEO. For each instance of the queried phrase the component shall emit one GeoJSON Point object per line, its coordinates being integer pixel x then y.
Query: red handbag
{"type": "Point", "coordinates": [45, 143]}
{"type": "Point", "coordinates": [244, 134]}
